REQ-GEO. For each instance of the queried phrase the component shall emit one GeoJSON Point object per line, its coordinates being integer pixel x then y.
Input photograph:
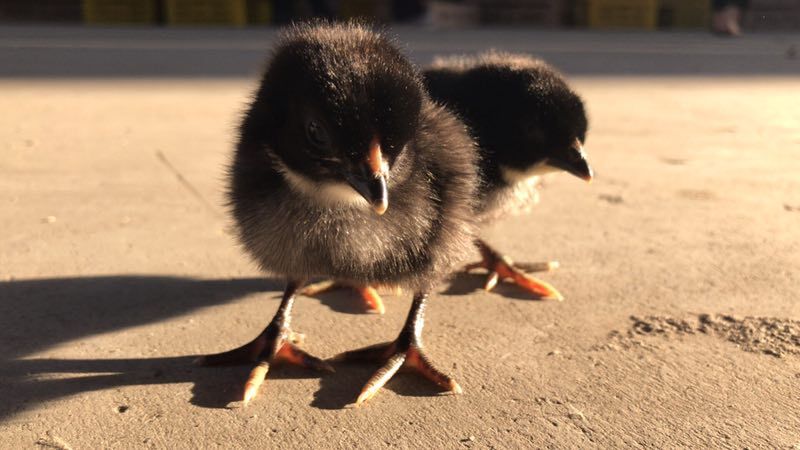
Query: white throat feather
{"type": "Point", "coordinates": [514, 176]}
{"type": "Point", "coordinates": [325, 193]}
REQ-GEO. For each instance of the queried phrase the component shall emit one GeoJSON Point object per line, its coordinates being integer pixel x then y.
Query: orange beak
{"type": "Point", "coordinates": [370, 180]}
{"type": "Point", "coordinates": [377, 167]}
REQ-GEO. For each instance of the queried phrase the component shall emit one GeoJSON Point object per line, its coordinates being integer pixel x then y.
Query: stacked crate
{"type": "Point", "coordinates": [104, 12]}
{"type": "Point", "coordinates": [684, 13]}
{"type": "Point", "coordinates": [546, 13]}
{"type": "Point", "coordinates": [206, 12]}
{"type": "Point", "coordinates": [640, 14]}
{"type": "Point", "coordinates": [40, 10]}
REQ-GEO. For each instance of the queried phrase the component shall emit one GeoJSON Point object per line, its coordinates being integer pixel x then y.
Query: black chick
{"type": "Point", "coordinates": [346, 169]}
{"type": "Point", "coordinates": [527, 122]}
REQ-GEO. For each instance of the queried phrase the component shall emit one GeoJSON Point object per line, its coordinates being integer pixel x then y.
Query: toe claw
{"type": "Point", "coordinates": [254, 381]}
{"type": "Point", "coordinates": [371, 298]}
{"type": "Point", "coordinates": [381, 376]}
{"type": "Point", "coordinates": [491, 281]}
{"type": "Point", "coordinates": [540, 288]}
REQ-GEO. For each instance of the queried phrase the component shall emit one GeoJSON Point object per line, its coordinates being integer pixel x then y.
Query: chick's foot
{"type": "Point", "coordinates": [275, 345]}
{"type": "Point", "coordinates": [502, 268]}
{"type": "Point", "coordinates": [404, 352]}
{"type": "Point", "coordinates": [369, 295]}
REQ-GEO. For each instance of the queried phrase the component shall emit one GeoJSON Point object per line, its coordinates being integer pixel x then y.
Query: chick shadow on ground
{"type": "Point", "coordinates": [463, 283]}
{"type": "Point", "coordinates": [30, 382]}
{"type": "Point", "coordinates": [38, 314]}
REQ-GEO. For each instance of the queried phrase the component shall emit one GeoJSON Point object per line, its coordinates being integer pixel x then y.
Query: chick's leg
{"type": "Point", "coordinates": [273, 345]}
{"type": "Point", "coordinates": [368, 294]}
{"type": "Point", "coordinates": [406, 351]}
{"type": "Point", "coordinates": [501, 267]}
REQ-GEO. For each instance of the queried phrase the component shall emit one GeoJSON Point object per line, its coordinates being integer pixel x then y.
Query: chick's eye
{"type": "Point", "coordinates": [316, 135]}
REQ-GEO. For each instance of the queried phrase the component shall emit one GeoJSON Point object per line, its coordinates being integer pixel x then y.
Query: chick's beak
{"type": "Point", "coordinates": [369, 178]}
{"type": "Point", "coordinates": [575, 162]}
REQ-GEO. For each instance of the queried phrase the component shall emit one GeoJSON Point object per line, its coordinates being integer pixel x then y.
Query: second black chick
{"type": "Point", "coordinates": [527, 122]}
{"type": "Point", "coordinates": [345, 168]}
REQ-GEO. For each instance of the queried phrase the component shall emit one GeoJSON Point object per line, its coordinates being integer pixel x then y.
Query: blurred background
{"type": "Point", "coordinates": [229, 38]}
{"type": "Point", "coordinates": [630, 14]}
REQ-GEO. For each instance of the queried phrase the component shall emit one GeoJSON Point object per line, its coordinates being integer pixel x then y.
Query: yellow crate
{"type": "Point", "coordinates": [685, 13]}
{"type": "Point", "coordinates": [206, 12]}
{"type": "Point", "coordinates": [641, 14]}
{"type": "Point", "coordinates": [98, 12]}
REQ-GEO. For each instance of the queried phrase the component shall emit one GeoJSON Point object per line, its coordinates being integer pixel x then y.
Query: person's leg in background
{"type": "Point", "coordinates": [726, 16]}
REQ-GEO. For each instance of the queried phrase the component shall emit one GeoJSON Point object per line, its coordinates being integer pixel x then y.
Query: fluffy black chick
{"type": "Point", "coordinates": [527, 121]}
{"type": "Point", "coordinates": [345, 168]}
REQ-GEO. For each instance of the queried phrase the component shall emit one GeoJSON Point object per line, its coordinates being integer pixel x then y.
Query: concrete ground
{"type": "Point", "coordinates": [680, 264]}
